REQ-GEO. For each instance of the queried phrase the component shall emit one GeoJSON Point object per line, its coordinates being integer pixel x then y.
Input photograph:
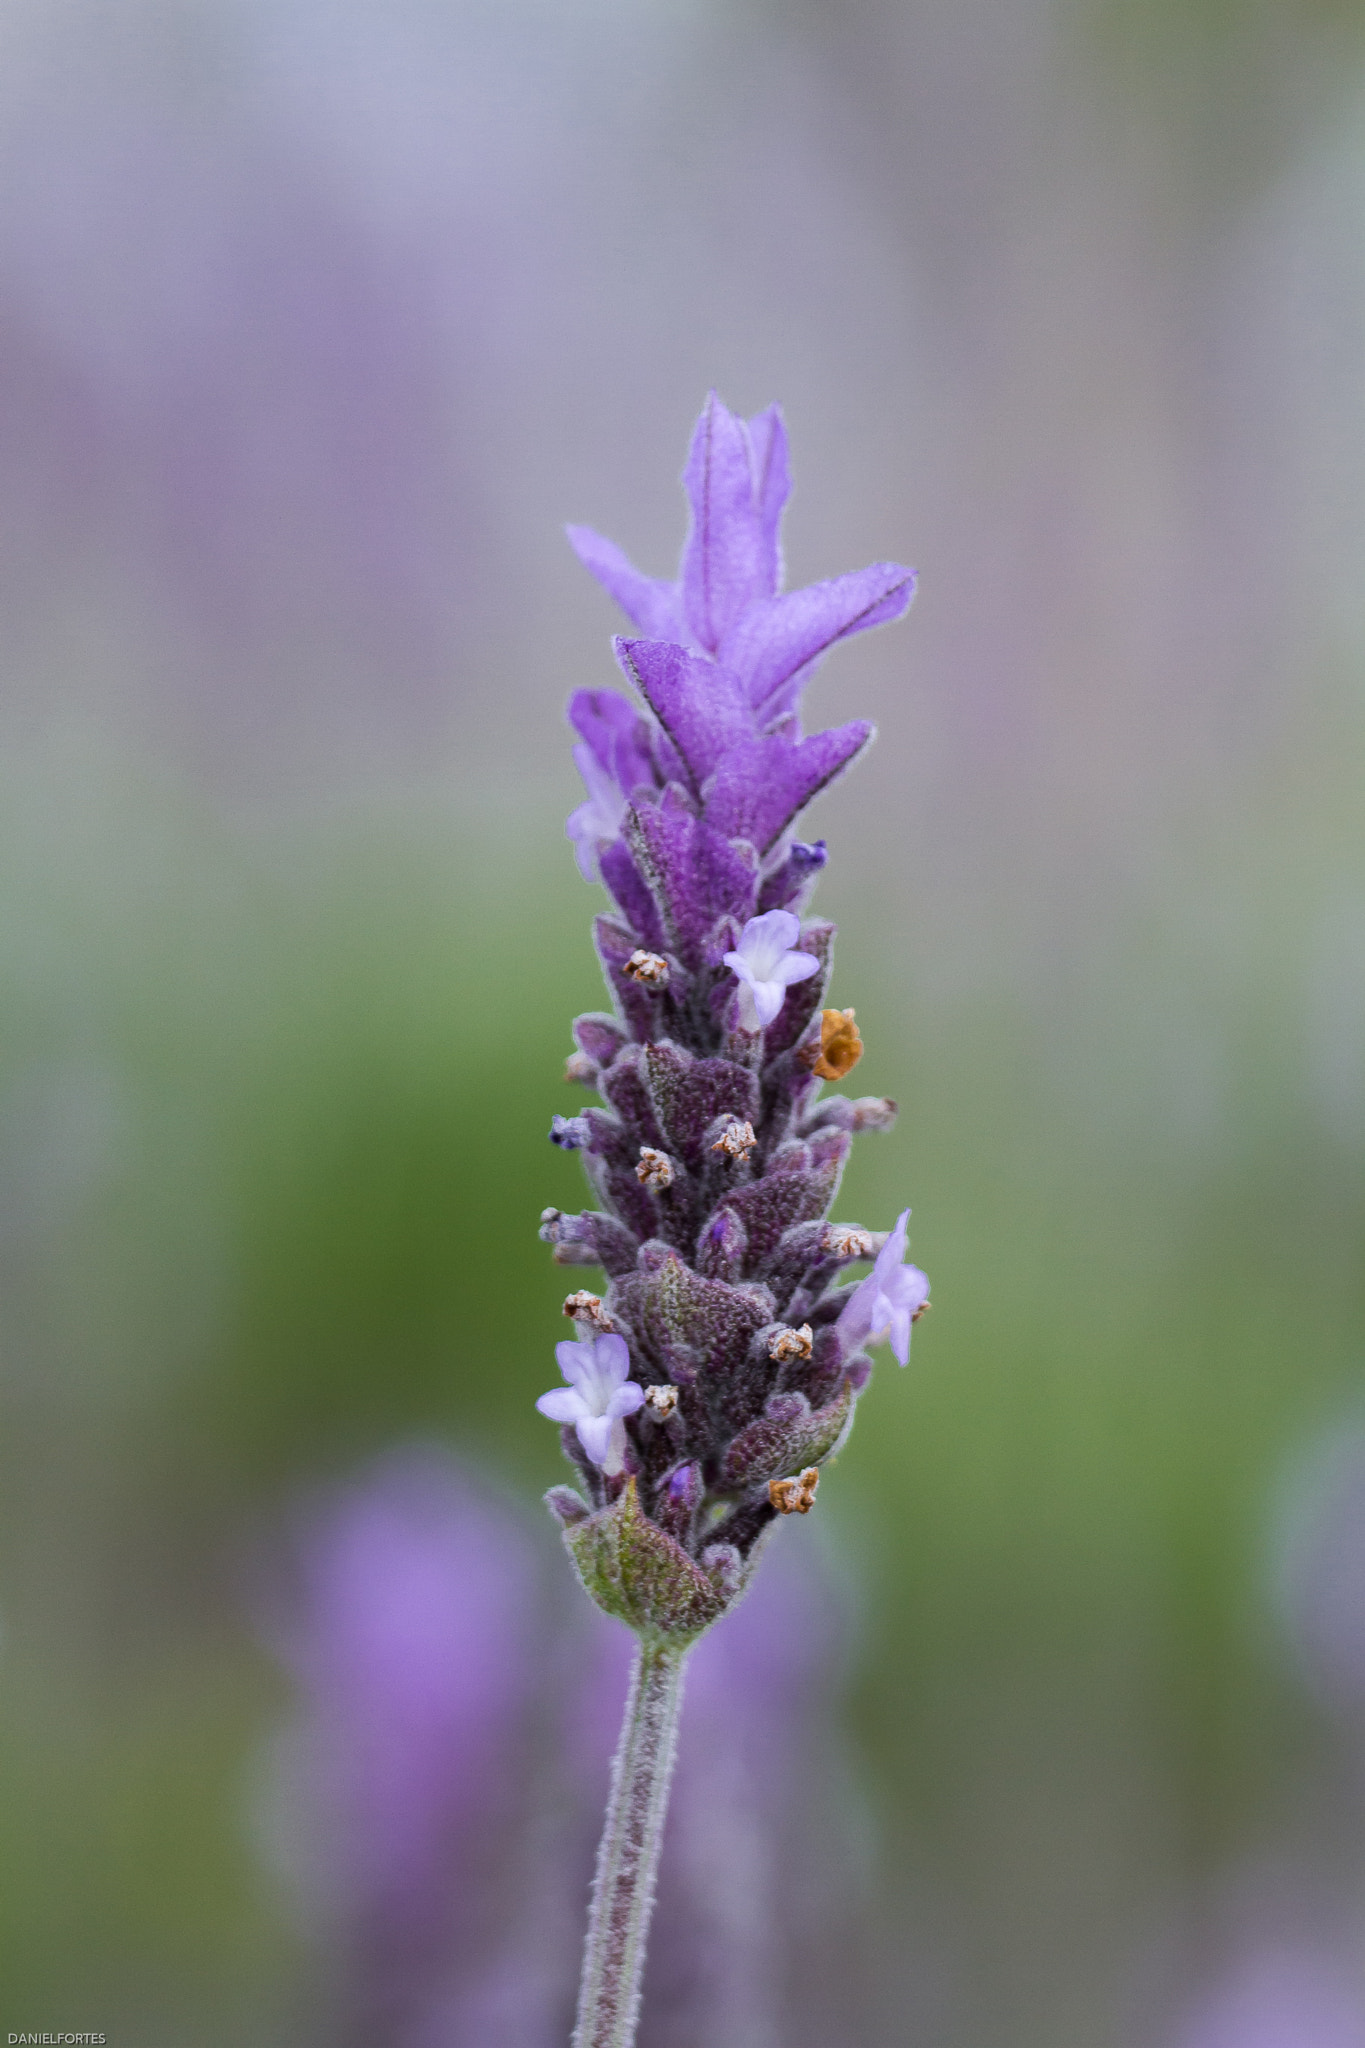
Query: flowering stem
{"type": "Point", "coordinates": [628, 1859]}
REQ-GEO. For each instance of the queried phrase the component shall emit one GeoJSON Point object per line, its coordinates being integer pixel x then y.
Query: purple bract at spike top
{"type": "Point", "coordinates": [726, 1359]}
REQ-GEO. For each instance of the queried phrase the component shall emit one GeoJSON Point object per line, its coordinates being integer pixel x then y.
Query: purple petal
{"type": "Point", "coordinates": [765, 939]}
{"type": "Point", "coordinates": [772, 485]}
{"type": "Point", "coordinates": [891, 1256]}
{"type": "Point", "coordinates": [700, 705]}
{"type": "Point", "coordinates": [692, 869]}
{"type": "Point", "coordinates": [726, 563]}
{"type": "Point", "coordinates": [898, 1334]}
{"type": "Point", "coordinates": [796, 967]}
{"type": "Point", "coordinates": [612, 1357]}
{"type": "Point", "coordinates": [760, 785]}
{"type": "Point", "coordinates": [617, 735]}
{"type": "Point", "coordinates": [620, 874]}
{"type": "Point", "coordinates": [562, 1404]}
{"type": "Point", "coordinates": [595, 1434]}
{"type": "Point", "coordinates": [600, 817]}
{"type": "Point", "coordinates": [649, 600]}
{"type": "Point", "coordinates": [583, 828]}
{"type": "Point", "coordinates": [575, 1361]}
{"type": "Point", "coordinates": [626, 1400]}
{"type": "Point", "coordinates": [767, 998]}
{"type": "Point", "coordinates": [855, 1318]}
{"type": "Point", "coordinates": [777, 637]}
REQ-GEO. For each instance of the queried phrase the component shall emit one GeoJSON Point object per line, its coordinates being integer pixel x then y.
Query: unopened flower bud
{"type": "Point", "coordinates": [571, 1132]}
{"type": "Point", "coordinates": [841, 1045]}
{"type": "Point", "coordinates": [580, 1068]}
{"type": "Point", "coordinates": [649, 969]}
{"type": "Point", "coordinates": [794, 1496]}
{"type": "Point", "coordinates": [655, 1169]}
{"type": "Point", "coordinates": [847, 1241]}
{"type": "Point", "coordinates": [567, 1507]}
{"type": "Point", "coordinates": [678, 1499]}
{"type": "Point", "coordinates": [721, 1248]}
{"type": "Point", "coordinates": [661, 1401]}
{"type": "Point", "coordinates": [724, 1567]}
{"type": "Point", "coordinates": [791, 1344]}
{"type": "Point", "coordinates": [873, 1113]}
{"type": "Point", "coordinates": [587, 1308]}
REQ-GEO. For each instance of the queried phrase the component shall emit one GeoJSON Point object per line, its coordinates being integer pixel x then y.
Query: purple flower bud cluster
{"type": "Point", "coordinates": [712, 1160]}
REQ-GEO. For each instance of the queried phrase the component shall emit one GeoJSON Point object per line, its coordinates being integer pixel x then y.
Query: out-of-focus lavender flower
{"type": "Point", "coordinates": [882, 1307]}
{"type": "Point", "coordinates": [1320, 1568]}
{"type": "Point", "coordinates": [441, 1851]}
{"type": "Point", "coordinates": [599, 1396]}
{"type": "Point", "coordinates": [409, 1630]}
{"type": "Point", "coordinates": [1280, 1995]}
{"type": "Point", "coordinates": [766, 963]}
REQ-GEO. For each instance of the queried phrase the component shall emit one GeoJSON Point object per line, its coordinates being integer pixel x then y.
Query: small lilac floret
{"type": "Point", "coordinates": [766, 964]}
{"type": "Point", "coordinates": [598, 1397]}
{"type": "Point", "coordinates": [598, 820]}
{"type": "Point", "coordinates": [884, 1305]}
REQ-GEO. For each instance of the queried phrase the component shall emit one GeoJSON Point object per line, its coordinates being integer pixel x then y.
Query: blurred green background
{"type": "Point", "coordinates": [317, 324]}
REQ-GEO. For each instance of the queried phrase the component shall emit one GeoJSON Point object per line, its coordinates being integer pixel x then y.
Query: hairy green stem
{"type": "Point", "coordinates": [628, 1859]}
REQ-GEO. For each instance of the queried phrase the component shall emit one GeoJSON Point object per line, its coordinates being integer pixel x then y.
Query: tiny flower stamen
{"type": "Point", "coordinates": [794, 1496]}
{"type": "Point", "coordinates": [847, 1241]}
{"type": "Point", "coordinates": [661, 1401]}
{"type": "Point", "coordinates": [841, 1045]}
{"type": "Point", "coordinates": [587, 1308]}
{"type": "Point", "coordinates": [737, 1139]}
{"type": "Point", "coordinates": [649, 969]}
{"type": "Point", "coordinates": [655, 1169]}
{"type": "Point", "coordinates": [580, 1069]}
{"type": "Point", "coordinates": [789, 1345]}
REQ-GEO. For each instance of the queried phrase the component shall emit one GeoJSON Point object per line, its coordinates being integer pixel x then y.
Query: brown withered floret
{"type": "Point", "coordinates": [661, 1401]}
{"type": "Point", "coordinates": [847, 1241]}
{"type": "Point", "coordinates": [655, 1169]}
{"type": "Point", "coordinates": [587, 1308]}
{"type": "Point", "coordinates": [649, 969]}
{"type": "Point", "coordinates": [794, 1496]}
{"type": "Point", "coordinates": [791, 1344]}
{"type": "Point", "coordinates": [737, 1139]}
{"type": "Point", "coordinates": [841, 1045]}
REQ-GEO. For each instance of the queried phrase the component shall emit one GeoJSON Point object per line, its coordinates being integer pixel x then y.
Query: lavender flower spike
{"type": "Point", "coordinates": [597, 1399]}
{"type": "Point", "coordinates": [712, 1162]}
{"type": "Point", "coordinates": [766, 964]}
{"type": "Point", "coordinates": [893, 1296]}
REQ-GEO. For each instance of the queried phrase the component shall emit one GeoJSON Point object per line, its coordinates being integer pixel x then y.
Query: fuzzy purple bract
{"type": "Point", "coordinates": [712, 1158]}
